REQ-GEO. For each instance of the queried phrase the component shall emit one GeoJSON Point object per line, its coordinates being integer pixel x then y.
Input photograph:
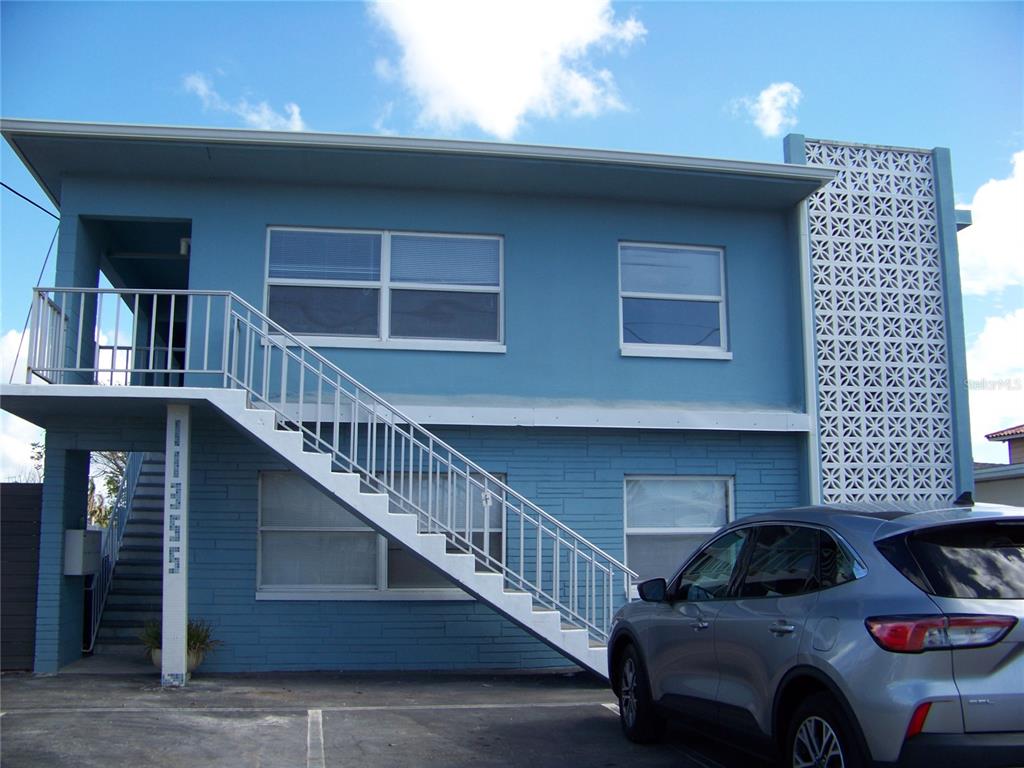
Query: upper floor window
{"type": "Point", "coordinates": [380, 288]}
{"type": "Point", "coordinates": [672, 301]}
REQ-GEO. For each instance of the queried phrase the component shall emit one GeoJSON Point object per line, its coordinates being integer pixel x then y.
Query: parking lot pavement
{"type": "Point", "coordinates": [324, 720]}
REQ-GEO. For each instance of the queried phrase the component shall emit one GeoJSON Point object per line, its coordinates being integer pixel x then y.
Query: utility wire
{"type": "Point", "coordinates": [29, 200]}
{"type": "Point", "coordinates": [39, 279]}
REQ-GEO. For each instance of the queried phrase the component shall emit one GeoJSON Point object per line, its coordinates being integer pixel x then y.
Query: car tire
{"type": "Point", "coordinates": [638, 716]}
{"type": "Point", "coordinates": [821, 735]}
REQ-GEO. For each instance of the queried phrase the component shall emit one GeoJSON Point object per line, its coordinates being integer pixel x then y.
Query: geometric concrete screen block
{"type": "Point", "coordinates": [885, 419]}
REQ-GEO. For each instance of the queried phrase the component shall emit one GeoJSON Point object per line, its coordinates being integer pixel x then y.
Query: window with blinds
{"type": "Point", "coordinates": [386, 286]}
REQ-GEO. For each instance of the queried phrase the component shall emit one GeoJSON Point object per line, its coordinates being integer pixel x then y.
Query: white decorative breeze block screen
{"type": "Point", "coordinates": [883, 376]}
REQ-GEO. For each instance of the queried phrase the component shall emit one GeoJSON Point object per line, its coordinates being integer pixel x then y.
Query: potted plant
{"type": "Point", "coordinates": [199, 641]}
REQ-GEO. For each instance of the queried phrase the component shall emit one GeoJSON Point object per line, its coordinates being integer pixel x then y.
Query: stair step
{"type": "Point", "coordinates": [140, 590]}
{"type": "Point", "coordinates": [129, 570]}
{"type": "Point", "coordinates": [118, 647]}
{"type": "Point", "coordinates": [154, 516]}
{"type": "Point", "coordinates": [135, 618]}
{"type": "Point", "coordinates": [134, 615]}
{"type": "Point", "coordinates": [128, 633]}
{"type": "Point", "coordinates": [143, 561]}
{"type": "Point", "coordinates": [143, 527]}
{"type": "Point", "coordinates": [131, 601]}
{"type": "Point", "coordinates": [135, 536]}
{"type": "Point", "coordinates": [141, 548]}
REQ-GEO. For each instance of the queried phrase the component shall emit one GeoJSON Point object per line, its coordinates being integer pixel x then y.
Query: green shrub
{"type": "Point", "coordinates": [199, 636]}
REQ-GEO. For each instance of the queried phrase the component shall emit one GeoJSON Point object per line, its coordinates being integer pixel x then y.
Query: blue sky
{"type": "Point", "coordinates": [705, 79]}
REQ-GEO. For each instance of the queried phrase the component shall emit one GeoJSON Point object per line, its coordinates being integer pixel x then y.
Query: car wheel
{"type": "Point", "coordinates": [821, 737]}
{"type": "Point", "coordinates": [640, 721]}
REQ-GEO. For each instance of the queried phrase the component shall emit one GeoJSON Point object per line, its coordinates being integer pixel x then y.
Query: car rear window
{"type": "Point", "coordinates": [982, 560]}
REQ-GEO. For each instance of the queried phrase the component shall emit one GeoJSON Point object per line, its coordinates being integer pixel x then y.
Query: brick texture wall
{"type": "Point", "coordinates": [576, 475]}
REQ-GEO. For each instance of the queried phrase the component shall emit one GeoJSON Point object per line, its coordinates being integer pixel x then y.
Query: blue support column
{"type": "Point", "coordinates": [963, 467]}
{"type": "Point", "coordinates": [795, 152]}
{"type": "Point", "coordinates": [60, 598]}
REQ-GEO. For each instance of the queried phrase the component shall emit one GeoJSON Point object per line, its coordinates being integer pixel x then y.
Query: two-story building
{"type": "Point", "coordinates": [420, 404]}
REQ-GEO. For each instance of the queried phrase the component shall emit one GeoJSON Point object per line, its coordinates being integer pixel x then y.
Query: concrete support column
{"type": "Point", "coordinates": [60, 598]}
{"type": "Point", "coordinates": [174, 664]}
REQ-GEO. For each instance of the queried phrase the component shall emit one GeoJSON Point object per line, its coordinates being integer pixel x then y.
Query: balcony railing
{"type": "Point", "coordinates": [209, 338]}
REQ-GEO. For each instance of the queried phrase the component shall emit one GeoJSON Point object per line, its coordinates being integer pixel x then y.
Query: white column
{"type": "Point", "coordinates": [173, 668]}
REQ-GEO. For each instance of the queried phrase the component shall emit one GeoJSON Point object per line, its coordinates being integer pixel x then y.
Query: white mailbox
{"type": "Point", "coordinates": [81, 552]}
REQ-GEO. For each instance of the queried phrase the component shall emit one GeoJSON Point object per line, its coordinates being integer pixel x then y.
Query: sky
{"type": "Point", "coordinates": [698, 79]}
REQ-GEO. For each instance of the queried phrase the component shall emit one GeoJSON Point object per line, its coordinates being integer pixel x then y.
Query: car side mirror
{"type": "Point", "coordinates": [652, 590]}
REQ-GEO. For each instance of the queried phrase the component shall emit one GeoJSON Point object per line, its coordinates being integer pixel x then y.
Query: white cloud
{"type": "Point", "coordinates": [774, 109]}
{"type": "Point", "coordinates": [992, 248]}
{"type": "Point", "coordinates": [380, 125]}
{"type": "Point", "coordinates": [995, 372]}
{"type": "Point", "coordinates": [494, 64]}
{"type": "Point", "coordinates": [259, 115]}
{"type": "Point", "coordinates": [16, 435]}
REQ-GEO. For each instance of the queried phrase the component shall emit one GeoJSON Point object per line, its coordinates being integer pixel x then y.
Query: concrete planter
{"type": "Point", "coordinates": [195, 658]}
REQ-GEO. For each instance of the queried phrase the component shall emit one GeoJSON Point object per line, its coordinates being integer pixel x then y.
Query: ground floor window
{"type": "Point", "coordinates": [308, 543]}
{"type": "Point", "coordinates": [668, 517]}
{"type": "Point", "coordinates": [310, 546]}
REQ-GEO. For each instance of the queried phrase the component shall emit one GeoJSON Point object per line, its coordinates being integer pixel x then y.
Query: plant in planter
{"type": "Point", "coordinates": [199, 641]}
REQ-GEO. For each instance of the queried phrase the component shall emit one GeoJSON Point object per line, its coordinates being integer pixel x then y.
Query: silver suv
{"type": "Point", "coordinates": [839, 637]}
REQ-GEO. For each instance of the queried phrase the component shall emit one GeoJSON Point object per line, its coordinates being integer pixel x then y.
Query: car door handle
{"type": "Point", "coordinates": [781, 628]}
{"type": "Point", "coordinates": [699, 625]}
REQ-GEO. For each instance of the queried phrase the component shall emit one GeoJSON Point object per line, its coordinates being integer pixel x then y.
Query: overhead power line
{"type": "Point", "coordinates": [29, 200]}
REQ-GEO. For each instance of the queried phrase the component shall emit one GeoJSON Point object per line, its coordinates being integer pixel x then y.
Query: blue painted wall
{"type": "Point", "coordinates": [561, 284]}
{"type": "Point", "coordinates": [576, 475]}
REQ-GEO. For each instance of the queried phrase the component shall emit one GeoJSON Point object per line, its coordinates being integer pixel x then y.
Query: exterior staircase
{"type": "Point", "coordinates": [136, 590]}
{"type": "Point", "coordinates": [395, 475]}
{"type": "Point", "coordinates": [378, 510]}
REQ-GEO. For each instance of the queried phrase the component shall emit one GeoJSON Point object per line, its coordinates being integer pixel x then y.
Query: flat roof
{"type": "Point", "coordinates": [52, 150]}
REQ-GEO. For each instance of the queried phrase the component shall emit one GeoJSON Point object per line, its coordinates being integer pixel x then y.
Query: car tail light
{"type": "Point", "coordinates": [915, 634]}
{"type": "Point", "coordinates": [918, 718]}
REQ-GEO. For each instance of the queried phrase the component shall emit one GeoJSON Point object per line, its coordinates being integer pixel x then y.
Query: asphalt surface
{"type": "Point", "coordinates": [321, 720]}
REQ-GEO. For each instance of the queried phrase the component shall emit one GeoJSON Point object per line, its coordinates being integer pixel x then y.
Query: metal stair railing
{"type": "Point", "coordinates": [214, 338]}
{"type": "Point", "coordinates": [110, 544]}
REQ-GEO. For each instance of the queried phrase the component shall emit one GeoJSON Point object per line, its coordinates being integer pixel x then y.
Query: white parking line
{"type": "Point", "coordinates": [612, 708]}
{"type": "Point", "coordinates": [315, 739]}
{"type": "Point", "coordinates": [287, 709]}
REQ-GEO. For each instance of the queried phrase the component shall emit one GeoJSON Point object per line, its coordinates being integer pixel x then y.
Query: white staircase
{"type": "Point", "coordinates": [375, 509]}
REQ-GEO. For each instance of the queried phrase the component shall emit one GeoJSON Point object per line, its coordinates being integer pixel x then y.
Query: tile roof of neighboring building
{"type": "Point", "coordinates": [1010, 433]}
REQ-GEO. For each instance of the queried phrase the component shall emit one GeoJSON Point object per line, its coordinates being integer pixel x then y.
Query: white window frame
{"type": "Point", "coordinates": [384, 285]}
{"type": "Point", "coordinates": [355, 593]}
{"type": "Point", "coordinates": [635, 349]}
{"type": "Point", "coordinates": [627, 531]}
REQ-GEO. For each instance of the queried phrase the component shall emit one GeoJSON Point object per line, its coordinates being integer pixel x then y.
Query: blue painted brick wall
{"type": "Point", "coordinates": [575, 474]}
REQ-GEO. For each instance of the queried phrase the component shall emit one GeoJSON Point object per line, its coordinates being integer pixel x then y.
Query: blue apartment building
{"type": "Point", "coordinates": [421, 404]}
